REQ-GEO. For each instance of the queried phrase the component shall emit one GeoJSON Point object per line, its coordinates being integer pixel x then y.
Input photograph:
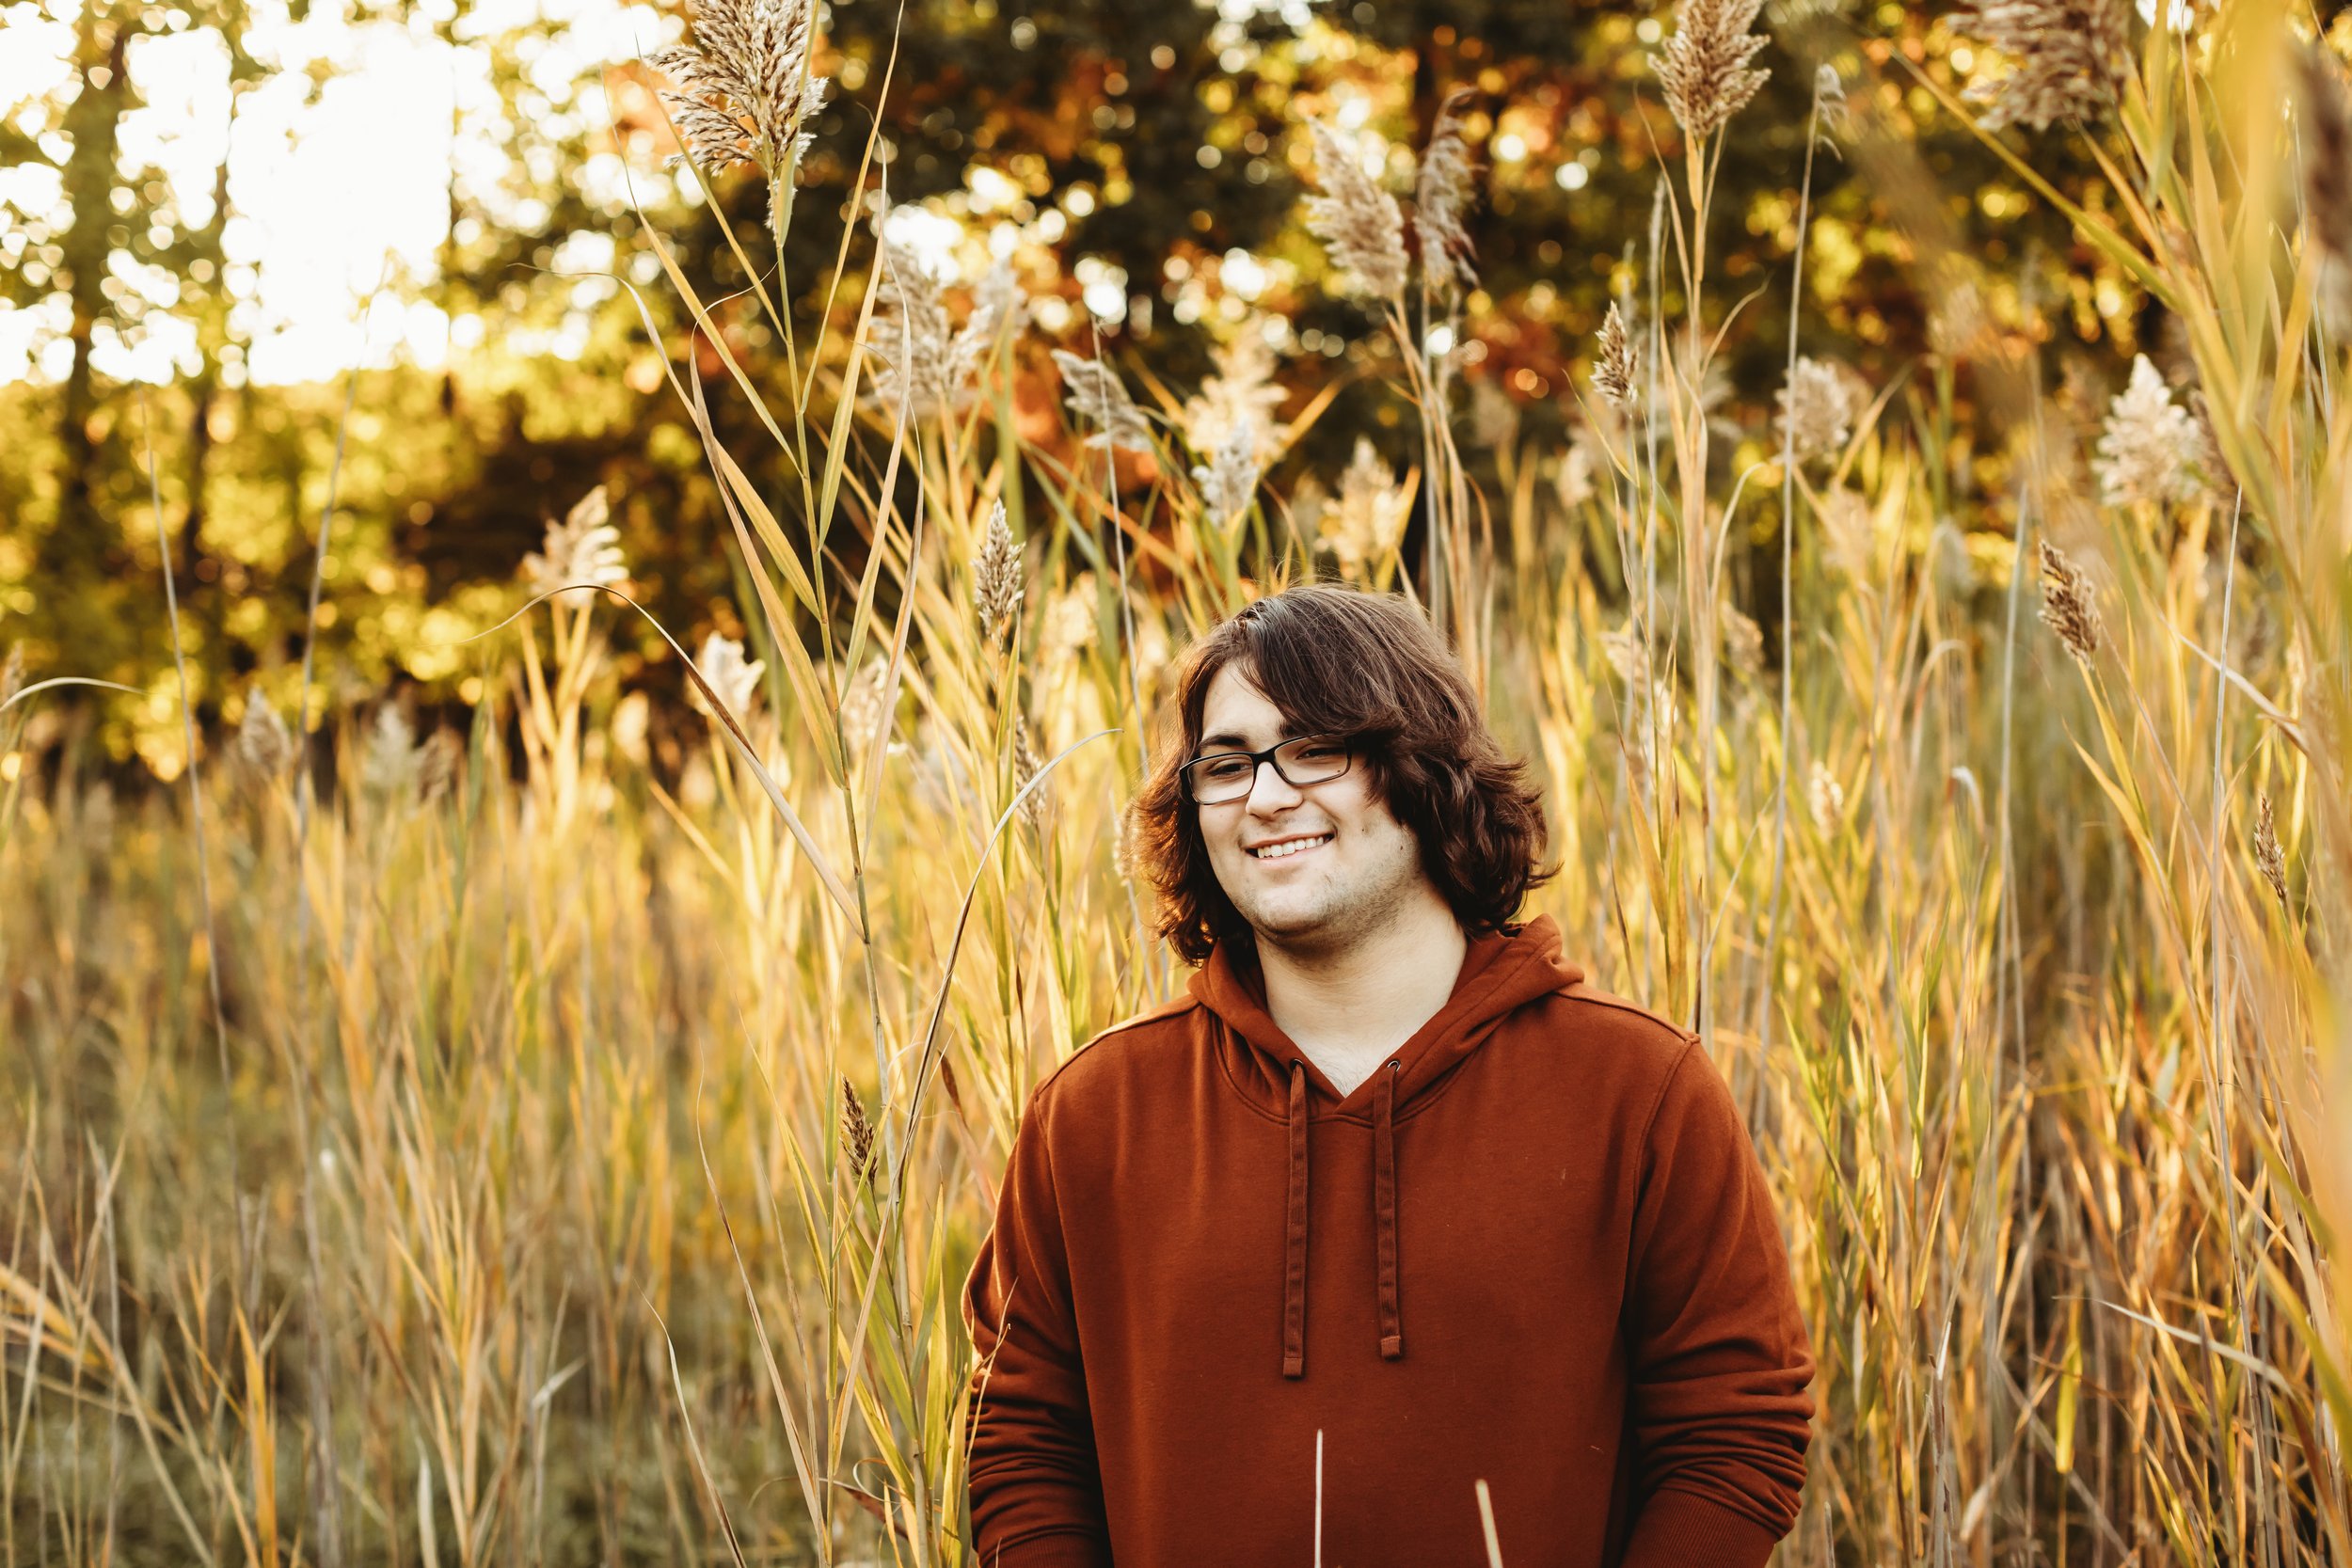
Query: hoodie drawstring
{"type": "Point", "coordinates": [1384, 1222]}
{"type": "Point", "coordinates": [1384, 1211]}
{"type": "Point", "coordinates": [1294, 1254]}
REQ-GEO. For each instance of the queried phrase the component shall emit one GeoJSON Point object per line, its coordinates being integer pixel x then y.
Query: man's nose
{"type": "Point", "coordinates": [1270, 791]}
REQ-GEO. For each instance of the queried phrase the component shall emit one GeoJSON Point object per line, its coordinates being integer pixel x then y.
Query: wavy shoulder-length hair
{"type": "Point", "coordinates": [1369, 666]}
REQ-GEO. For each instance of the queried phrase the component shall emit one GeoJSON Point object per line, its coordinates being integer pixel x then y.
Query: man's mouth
{"type": "Point", "coordinates": [1289, 846]}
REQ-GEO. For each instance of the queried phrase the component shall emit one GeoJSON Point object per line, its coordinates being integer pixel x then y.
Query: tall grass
{"type": "Point", "coordinates": [614, 1141]}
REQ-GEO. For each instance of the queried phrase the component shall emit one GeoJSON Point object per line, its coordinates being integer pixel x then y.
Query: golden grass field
{"type": "Point", "coordinates": [522, 1146]}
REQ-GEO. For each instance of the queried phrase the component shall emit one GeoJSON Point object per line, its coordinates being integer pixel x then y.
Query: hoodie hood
{"type": "Point", "coordinates": [1499, 972]}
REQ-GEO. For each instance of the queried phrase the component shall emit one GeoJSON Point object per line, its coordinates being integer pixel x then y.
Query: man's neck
{"type": "Point", "coordinates": [1347, 1007]}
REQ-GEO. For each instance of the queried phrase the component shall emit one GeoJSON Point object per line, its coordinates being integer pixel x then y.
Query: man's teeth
{"type": "Point", "coordinates": [1291, 846]}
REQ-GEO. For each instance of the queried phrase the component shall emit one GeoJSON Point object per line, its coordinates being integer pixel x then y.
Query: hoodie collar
{"type": "Point", "coordinates": [1498, 973]}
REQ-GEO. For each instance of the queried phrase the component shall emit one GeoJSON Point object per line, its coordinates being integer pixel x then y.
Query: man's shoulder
{"type": "Point", "coordinates": [1617, 1029]}
{"type": "Point", "coordinates": [1158, 1031]}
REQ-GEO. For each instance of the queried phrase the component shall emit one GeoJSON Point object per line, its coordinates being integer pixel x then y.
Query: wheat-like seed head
{"type": "Point", "coordinates": [996, 578]}
{"type": "Point", "coordinates": [1100, 401]}
{"type": "Point", "coordinates": [1824, 799]}
{"type": "Point", "coordinates": [863, 712]}
{"type": "Point", "coordinates": [744, 95]}
{"type": "Point", "coordinates": [1025, 767]}
{"type": "Point", "coordinates": [1829, 98]}
{"type": "Point", "coordinates": [1358, 222]}
{"type": "Point", "coordinates": [2151, 446]}
{"type": "Point", "coordinates": [1441, 193]}
{"type": "Point", "coordinates": [584, 548]}
{"type": "Point", "coordinates": [12, 673]}
{"type": "Point", "coordinates": [734, 678]}
{"type": "Point", "coordinates": [1817, 407]}
{"type": "Point", "coordinates": [1743, 642]}
{"type": "Point", "coordinates": [857, 1134]}
{"type": "Point", "coordinates": [263, 747]}
{"type": "Point", "coordinates": [2269, 857]}
{"type": "Point", "coordinates": [2070, 605]}
{"type": "Point", "coordinates": [1613, 371]}
{"type": "Point", "coordinates": [1242, 389]}
{"type": "Point", "coordinates": [389, 765]}
{"type": "Point", "coordinates": [436, 764]}
{"type": "Point", "coordinates": [1371, 514]}
{"type": "Point", "coordinates": [2069, 59]}
{"type": "Point", "coordinates": [1703, 69]}
{"type": "Point", "coordinates": [1229, 481]}
{"type": "Point", "coordinates": [1572, 480]}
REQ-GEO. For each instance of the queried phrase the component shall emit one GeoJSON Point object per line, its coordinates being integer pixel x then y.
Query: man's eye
{"type": "Point", "coordinates": [1225, 768]}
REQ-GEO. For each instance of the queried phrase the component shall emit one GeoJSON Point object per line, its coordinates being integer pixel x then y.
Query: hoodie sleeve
{"type": "Point", "coordinates": [1719, 1413]}
{"type": "Point", "coordinates": [1036, 1488]}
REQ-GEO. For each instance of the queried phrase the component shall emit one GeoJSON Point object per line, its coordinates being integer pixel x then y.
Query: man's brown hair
{"type": "Point", "coordinates": [1368, 666]}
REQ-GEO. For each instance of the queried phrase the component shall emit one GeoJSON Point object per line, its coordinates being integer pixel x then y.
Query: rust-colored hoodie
{"type": "Point", "coordinates": [1534, 1248]}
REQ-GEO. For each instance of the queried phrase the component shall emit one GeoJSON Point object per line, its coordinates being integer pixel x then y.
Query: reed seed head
{"type": "Point", "coordinates": [2068, 59]}
{"type": "Point", "coordinates": [1613, 370]}
{"type": "Point", "coordinates": [584, 548]}
{"type": "Point", "coordinates": [857, 1135]}
{"type": "Point", "coordinates": [1358, 222]}
{"type": "Point", "coordinates": [1230, 480]}
{"type": "Point", "coordinates": [1242, 388]}
{"type": "Point", "coordinates": [1572, 480]}
{"type": "Point", "coordinates": [1824, 799]}
{"type": "Point", "coordinates": [1743, 642]}
{"type": "Point", "coordinates": [1817, 407]}
{"type": "Point", "coordinates": [2070, 604]}
{"type": "Point", "coordinates": [1703, 69]}
{"type": "Point", "coordinates": [911, 338]}
{"type": "Point", "coordinates": [1627, 652]}
{"type": "Point", "coordinates": [1027, 765]}
{"type": "Point", "coordinates": [2268, 858]}
{"type": "Point", "coordinates": [1442, 193]}
{"type": "Point", "coordinates": [263, 747]}
{"type": "Point", "coordinates": [12, 673]}
{"type": "Point", "coordinates": [389, 763]}
{"type": "Point", "coordinates": [1099, 400]}
{"type": "Point", "coordinates": [1369, 520]}
{"type": "Point", "coordinates": [1829, 98]}
{"type": "Point", "coordinates": [734, 678]}
{"type": "Point", "coordinates": [744, 94]}
{"type": "Point", "coordinates": [865, 711]}
{"type": "Point", "coordinates": [996, 578]}
{"type": "Point", "coordinates": [2149, 450]}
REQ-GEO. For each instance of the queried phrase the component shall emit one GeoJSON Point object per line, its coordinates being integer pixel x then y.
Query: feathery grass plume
{"type": "Point", "coordinates": [1704, 68]}
{"type": "Point", "coordinates": [1100, 401]}
{"type": "Point", "coordinates": [1829, 99]}
{"type": "Point", "coordinates": [2268, 858]}
{"type": "Point", "coordinates": [1572, 480]}
{"type": "Point", "coordinates": [1025, 764]}
{"type": "Point", "coordinates": [1000, 308]}
{"type": "Point", "coordinates": [996, 576]}
{"type": "Point", "coordinates": [2068, 58]}
{"type": "Point", "coordinates": [389, 765]}
{"type": "Point", "coordinates": [2070, 604]}
{"type": "Point", "coordinates": [12, 673]}
{"type": "Point", "coordinates": [1628, 653]}
{"type": "Point", "coordinates": [1359, 223]}
{"type": "Point", "coordinates": [910, 336]}
{"type": "Point", "coordinates": [1613, 370]}
{"type": "Point", "coordinates": [583, 547]}
{"type": "Point", "coordinates": [863, 714]}
{"type": "Point", "coordinates": [1817, 407]}
{"type": "Point", "coordinates": [1825, 797]}
{"type": "Point", "coordinates": [1494, 414]}
{"type": "Point", "coordinates": [857, 1134]}
{"type": "Point", "coordinates": [1442, 192]}
{"type": "Point", "coordinates": [1957, 321]}
{"type": "Point", "coordinates": [743, 96]}
{"type": "Point", "coordinates": [1369, 518]}
{"type": "Point", "coordinates": [2150, 445]}
{"type": "Point", "coordinates": [1229, 481]}
{"type": "Point", "coordinates": [1243, 388]}
{"type": "Point", "coordinates": [2324, 130]}
{"type": "Point", "coordinates": [1066, 628]}
{"type": "Point", "coordinates": [436, 764]}
{"type": "Point", "coordinates": [1848, 534]}
{"type": "Point", "coordinates": [263, 747]}
{"type": "Point", "coordinates": [734, 678]}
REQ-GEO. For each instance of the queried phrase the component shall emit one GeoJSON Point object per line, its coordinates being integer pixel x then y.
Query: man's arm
{"type": "Point", "coordinates": [1717, 1407]}
{"type": "Point", "coordinates": [1036, 1488]}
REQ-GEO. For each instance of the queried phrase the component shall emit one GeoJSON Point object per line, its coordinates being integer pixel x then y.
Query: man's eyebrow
{"type": "Point", "coordinates": [1228, 738]}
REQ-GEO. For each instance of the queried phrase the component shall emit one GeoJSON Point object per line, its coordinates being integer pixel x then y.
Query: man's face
{"type": "Point", "coordinates": [1329, 894]}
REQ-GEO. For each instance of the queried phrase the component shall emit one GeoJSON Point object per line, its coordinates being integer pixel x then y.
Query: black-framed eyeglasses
{"type": "Point", "coordinates": [1303, 759]}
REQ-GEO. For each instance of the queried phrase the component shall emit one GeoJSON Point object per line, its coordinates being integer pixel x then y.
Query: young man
{"type": "Point", "coordinates": [1391, 1201]}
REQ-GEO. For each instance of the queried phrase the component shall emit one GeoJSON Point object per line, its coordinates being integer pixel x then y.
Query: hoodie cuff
{"type": "Point", "coordinates": [1681, 1530]}
{"type": "Point", "coordinates": [1053, 1549]}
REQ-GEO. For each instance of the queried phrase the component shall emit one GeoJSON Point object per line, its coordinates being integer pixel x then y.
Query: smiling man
{"type": "Point", "coordinates": [1391, 1201]}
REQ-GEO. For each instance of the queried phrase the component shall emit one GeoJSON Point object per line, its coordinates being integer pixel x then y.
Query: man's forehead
{"type": "Point", "coordinates": [1236, 711]}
